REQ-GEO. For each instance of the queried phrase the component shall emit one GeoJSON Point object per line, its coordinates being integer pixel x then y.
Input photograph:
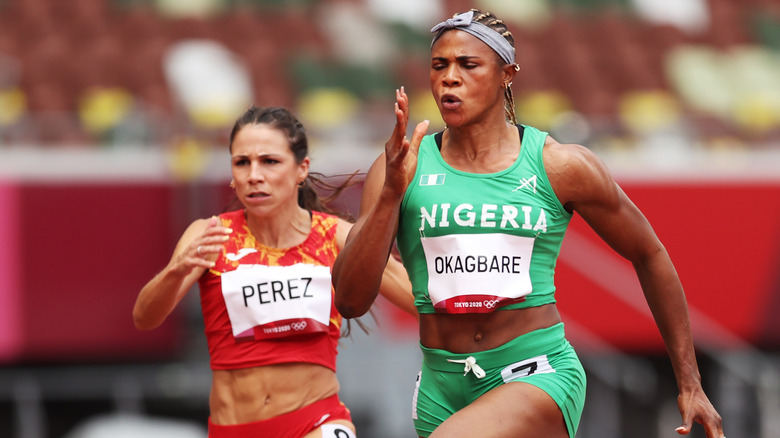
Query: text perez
{"type": "Point", "coordinates": [273, 291]}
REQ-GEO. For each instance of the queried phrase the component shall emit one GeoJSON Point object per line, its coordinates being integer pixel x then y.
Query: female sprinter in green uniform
{"type": "Point", "coordinates": [479, 211]}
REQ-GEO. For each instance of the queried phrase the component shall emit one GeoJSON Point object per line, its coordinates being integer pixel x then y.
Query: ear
{"type": "Point", "coordinates": [303, 169]}
{"type": "Point", "coordinates": [510, 70]}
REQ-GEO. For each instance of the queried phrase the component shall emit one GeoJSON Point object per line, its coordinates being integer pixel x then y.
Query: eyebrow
{"type": "Point", "coordinates": [265, 155]}
{"type": "Point", "coordinates": [457, 58]}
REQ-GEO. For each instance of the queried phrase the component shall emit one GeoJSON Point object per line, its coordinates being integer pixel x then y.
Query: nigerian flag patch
{"type": "Point", "coordinates": [432, 179]}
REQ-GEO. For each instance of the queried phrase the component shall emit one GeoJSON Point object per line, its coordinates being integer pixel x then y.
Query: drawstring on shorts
{"type": "Point", "coordinates": [471, 365]}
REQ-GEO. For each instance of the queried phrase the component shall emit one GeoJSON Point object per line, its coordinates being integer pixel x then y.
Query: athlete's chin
{"type": "Point", "coordinates": [258, 209]}
{"type": "Point", "coordinates": [453, 120]}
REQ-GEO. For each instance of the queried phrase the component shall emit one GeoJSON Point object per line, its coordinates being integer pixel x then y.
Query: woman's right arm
{"type": "Point", "coordinates": [358, 269]}
{"type": "Point", "coordinates": [357, 272]}
{"type": "Point", "coordinates": [194, 253]}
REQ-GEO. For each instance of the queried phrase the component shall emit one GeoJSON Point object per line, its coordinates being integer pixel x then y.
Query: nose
{"type": "Point", "coordinates": [451, 76]}
{"type": "Point", "coordinates": [256, 174]}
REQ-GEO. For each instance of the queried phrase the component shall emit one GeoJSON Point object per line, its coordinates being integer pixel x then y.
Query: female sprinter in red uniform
{"type": "Point", "coordinates": [265, 285]}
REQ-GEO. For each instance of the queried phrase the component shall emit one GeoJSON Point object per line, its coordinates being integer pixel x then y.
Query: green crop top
{"type": "Point", "coordinates": [474, 243]}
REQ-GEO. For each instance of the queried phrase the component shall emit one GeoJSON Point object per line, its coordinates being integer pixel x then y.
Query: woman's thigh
{"type": "Point", "coordinates": [512, 410]}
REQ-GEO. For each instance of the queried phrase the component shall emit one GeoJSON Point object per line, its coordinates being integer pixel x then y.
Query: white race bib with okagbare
{"type": "Point", "coordinates": [476, 273]}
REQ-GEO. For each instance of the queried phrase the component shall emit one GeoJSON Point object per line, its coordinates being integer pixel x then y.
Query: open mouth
{"type": "Point", "coordinates": [450, 101]}
{"type": "Point", "coordinates": [257, 195]}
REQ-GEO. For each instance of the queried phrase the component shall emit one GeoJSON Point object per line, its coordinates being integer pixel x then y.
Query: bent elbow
{"type": "Point", "coordinates": [349, 310]}
{"type": "Point", "coordinates": [142, 323]}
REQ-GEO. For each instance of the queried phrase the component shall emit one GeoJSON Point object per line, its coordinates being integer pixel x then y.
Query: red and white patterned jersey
{"type": "Point", "coordinates": [264, 306]}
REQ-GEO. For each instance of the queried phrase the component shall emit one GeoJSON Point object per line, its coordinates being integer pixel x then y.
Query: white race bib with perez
{"type": "Point", "coordinates": [275, 301]}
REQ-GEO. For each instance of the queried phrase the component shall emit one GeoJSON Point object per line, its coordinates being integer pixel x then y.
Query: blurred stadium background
{"type": "Point", "coordinates": [113, 123]}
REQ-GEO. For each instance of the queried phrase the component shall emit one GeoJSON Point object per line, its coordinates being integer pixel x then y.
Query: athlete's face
{"type": "Point", "coordinates": [466, 78]}
{"type": "Point", "coordinates": [264, 169]}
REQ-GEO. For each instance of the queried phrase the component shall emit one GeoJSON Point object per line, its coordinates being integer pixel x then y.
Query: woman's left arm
{"type": "Point", "coordinates": [584, 184]}
{"type": "Point", "coordinates": [395, 285]}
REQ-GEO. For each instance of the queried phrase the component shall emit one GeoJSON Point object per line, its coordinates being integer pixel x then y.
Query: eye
{"type": "Point", "coordinates": [270, 161]}
{"type": "Point", "coordinates": [241, 162]}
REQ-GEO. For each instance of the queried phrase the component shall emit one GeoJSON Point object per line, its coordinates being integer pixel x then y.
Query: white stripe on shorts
{"type": "Point", "coordinates": [414, 397]}
{"type": "Point", "coordinates": [524, 368]}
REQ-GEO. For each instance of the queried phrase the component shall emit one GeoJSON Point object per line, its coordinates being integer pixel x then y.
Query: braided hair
{"type": "Point", "coordinates": [490, 20]}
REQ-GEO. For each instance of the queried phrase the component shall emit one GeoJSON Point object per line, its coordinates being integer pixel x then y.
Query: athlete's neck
{"type": "Point", "coordinates": [283, 230]}
{"type": "Point", "coordinates": [479, 150]}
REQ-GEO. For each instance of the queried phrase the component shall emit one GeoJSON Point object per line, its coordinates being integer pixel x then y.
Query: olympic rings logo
{"type": "Point", "coordinates": [490, 303]}
{"type": "Point", "coordinates": [299, 325]}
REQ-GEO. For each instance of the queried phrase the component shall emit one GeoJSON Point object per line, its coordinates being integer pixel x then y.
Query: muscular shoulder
{"type": "Point", "coordinates": [577, 175]}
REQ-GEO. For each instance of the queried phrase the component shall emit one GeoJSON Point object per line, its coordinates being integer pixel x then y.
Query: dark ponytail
{"type": "Point", "coordinates": [311, 195]}
{"type": "Point", "coordinates": [490, 20]}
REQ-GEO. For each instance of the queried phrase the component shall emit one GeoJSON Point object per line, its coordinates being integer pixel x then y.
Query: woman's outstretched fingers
{"type": "Point", "coordinates": [418, 134]}
{"type": "Point", "coordinates": [403, 100]}
{"type": "Point", "coordinates": [395, 142]}
{"type": "Point", "coordinates": [695, 407]}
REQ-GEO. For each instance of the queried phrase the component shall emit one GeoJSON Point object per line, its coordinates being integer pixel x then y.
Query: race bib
{"type": "Point", "coordinates": [476, 273]}
{"type": "Point", "coordinates": [274, 301]}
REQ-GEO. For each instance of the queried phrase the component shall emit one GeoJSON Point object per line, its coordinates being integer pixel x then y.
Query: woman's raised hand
{"type": "Point", "coordinates": [400, 152]}
{"type": "Point", "coordinates": [202, 251]}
